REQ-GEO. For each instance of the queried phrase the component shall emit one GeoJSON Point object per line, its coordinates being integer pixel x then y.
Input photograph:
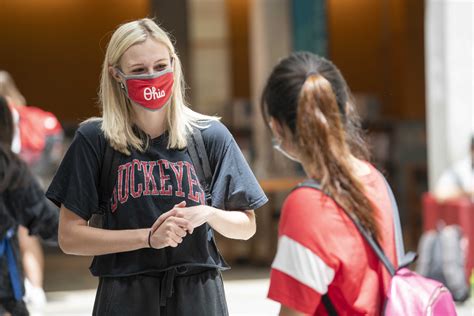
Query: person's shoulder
{"type": "Point", "coordinates": [303, 198]}
{"type": "Point", "coordinates": [215, 132]}
{"type": "Point", "coordinates": [91, 131]}
{"type": "Point", "coordinates": [305, 203]}
{"type": "Point", "coordinates": [90, 127]}
{"type": "Point", "coordinates": [309, 216]}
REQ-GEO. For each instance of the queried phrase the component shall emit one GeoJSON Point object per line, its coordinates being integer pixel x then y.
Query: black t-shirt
{"type": "Point", "coordinates": [23, 202]}
{"type": "Point", "coordinates": [150, 184]}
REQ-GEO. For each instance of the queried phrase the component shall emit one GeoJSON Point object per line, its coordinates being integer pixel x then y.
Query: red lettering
{"type": "Point", "coordinates": [163, 178]}
{"type": "Point", "coordinates": [114, 205]}
{"type": "Point", "coordinates": [177, 168]}
{"type": "Point", "coordinates": [124, 197]}
{"type": "Point", "coordinates": [148, 175]}
{"type": "Point", "coordinates": [193, 196]}
{"type": "Point", "coordinates": [138, 193]}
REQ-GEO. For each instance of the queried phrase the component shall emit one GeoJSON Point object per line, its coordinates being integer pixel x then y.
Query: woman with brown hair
{"type": "Point", "coordinates": [321, 256]}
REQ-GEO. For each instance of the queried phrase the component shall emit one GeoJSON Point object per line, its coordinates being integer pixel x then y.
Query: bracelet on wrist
{"type": "Point", "coordinates": [149, 240]}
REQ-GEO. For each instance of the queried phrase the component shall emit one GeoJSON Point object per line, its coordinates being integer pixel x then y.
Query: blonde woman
{"type": "Point", "coordinates": [156, 254]}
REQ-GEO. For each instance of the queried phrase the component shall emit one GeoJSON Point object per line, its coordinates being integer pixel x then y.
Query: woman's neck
{"type": "Point", "coordinates": [152, 123]}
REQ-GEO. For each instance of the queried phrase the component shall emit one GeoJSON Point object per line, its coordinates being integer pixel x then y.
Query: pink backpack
{"type": "Point", "coordinates": [413, 294]}
{"type": "Point", "coordinates": [409, 294]}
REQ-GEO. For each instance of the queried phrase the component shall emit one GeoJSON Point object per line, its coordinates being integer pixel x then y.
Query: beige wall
{"type": "Point", "coordinates": [270, 40]}
{"type": "Point", "coordinates": [209, 55]}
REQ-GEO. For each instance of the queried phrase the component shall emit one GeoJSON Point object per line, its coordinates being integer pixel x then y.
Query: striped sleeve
{"type": "Point", "coordinates": [299, 277]}
{"type": "Point", "coordinates": [301, 271]}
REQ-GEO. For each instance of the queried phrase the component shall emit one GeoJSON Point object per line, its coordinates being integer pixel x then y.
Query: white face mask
{"type": "Point", "coordinates": [277, 145]}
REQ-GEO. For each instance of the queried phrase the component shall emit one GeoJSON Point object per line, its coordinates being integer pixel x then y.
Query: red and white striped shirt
{"type": "Point", "coordinates": [321, 251]}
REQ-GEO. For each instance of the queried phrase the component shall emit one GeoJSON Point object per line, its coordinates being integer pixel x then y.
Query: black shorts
{"type": "Point", "coordinates": [177, 292]}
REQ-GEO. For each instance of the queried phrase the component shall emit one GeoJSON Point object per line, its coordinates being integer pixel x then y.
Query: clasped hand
{"type": "Point", "coordinates": [171, 227]}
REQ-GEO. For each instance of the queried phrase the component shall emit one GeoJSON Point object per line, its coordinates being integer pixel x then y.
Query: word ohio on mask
{"type": "Point", "coordinates": [151, 91]}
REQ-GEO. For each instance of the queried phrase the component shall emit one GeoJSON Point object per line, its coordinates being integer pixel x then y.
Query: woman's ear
{"type": "Point", "coordinates": [277, 128]}
{"type": "Point", "coordinates": [114, 73]}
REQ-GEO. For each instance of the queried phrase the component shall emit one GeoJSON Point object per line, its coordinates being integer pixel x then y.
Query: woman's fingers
{"type": "Point", "coordinates": [171, 232]}
{"type": "Point", "coordinates": [180, 204]}
{"type": "Point", "coordinates": [171, 227]}
{"type": "Point", "coordinates": [184, 223]}
{"type": "Point", "coordinates": [173, 244]}
{"type": "Point", "coordinates": [164, 216]}
{"type": "Point", "coordinates": [179, 231]}
{"type": "Point", "coordinates": [190, 229]}
{"type": "Point", "coordinates": [174, 239]}
{"type": "Point", "coordinates": [180, 222]}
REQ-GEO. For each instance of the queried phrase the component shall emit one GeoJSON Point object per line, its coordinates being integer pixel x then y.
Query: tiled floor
{"type": "Point", "coordinates": [246, 297]}
{"type": "Point", "coordinates": [71, 289]}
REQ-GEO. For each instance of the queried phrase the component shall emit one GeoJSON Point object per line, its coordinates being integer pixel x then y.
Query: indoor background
{"type": "Point", "coordinates": [409, 64]}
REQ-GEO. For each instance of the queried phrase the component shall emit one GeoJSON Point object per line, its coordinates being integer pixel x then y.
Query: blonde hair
{"type": "Point", "coordinates": [9, 90]}
{"type": "Point", "coordinates": [117, 113]}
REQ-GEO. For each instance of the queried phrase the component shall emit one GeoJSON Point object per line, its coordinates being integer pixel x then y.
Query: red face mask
{"type": "Point", "coordinates": [152, 91]}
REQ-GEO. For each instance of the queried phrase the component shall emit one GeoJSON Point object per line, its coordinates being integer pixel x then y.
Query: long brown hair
{"type": "Point", "coordinates": [308, 94]}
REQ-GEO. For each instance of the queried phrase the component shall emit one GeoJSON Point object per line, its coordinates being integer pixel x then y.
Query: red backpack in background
{"type": "Point", "coordinates": [39, 131]}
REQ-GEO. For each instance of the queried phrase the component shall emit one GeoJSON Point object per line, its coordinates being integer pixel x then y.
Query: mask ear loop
{"type": "Point", "coordinates": [122, 86]}
{"type": "Point", "coordinates": [277, 144]}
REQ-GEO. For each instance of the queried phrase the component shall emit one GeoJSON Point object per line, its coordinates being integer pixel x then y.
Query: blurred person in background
{"type": "Point", "coordinates": [15, 100]}
{"type": "Point", "coordinates": [22, 202]}
{"type": "Point", "coordinates": [321, 256]}
{"type": "Point", "coordinates": [458, 180]}
{"type": "Point", "coordinates": [37, 140]}
{"type": "Point", "coordinates": [155, 253]}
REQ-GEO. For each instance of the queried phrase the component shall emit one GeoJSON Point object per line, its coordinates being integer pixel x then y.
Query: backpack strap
{"type": "Point", "coordinates": [6, 249]}
{"type": "Point", "coordinates": [197, 152]}
{"type": "Point", "coordinates": [108, 178]}
{"type": "Point", "coordinates": [396, 223]}
{"type": "Point", "coordinates": [330, 309]}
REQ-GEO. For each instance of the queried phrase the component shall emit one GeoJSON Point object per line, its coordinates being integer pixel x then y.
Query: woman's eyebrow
{"type": "Point", "coordinates": [134, 65]}
{"type": "Point", "coordinates": [157, 61]}
{"type": "Point", "coordinates": [162, 59]}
